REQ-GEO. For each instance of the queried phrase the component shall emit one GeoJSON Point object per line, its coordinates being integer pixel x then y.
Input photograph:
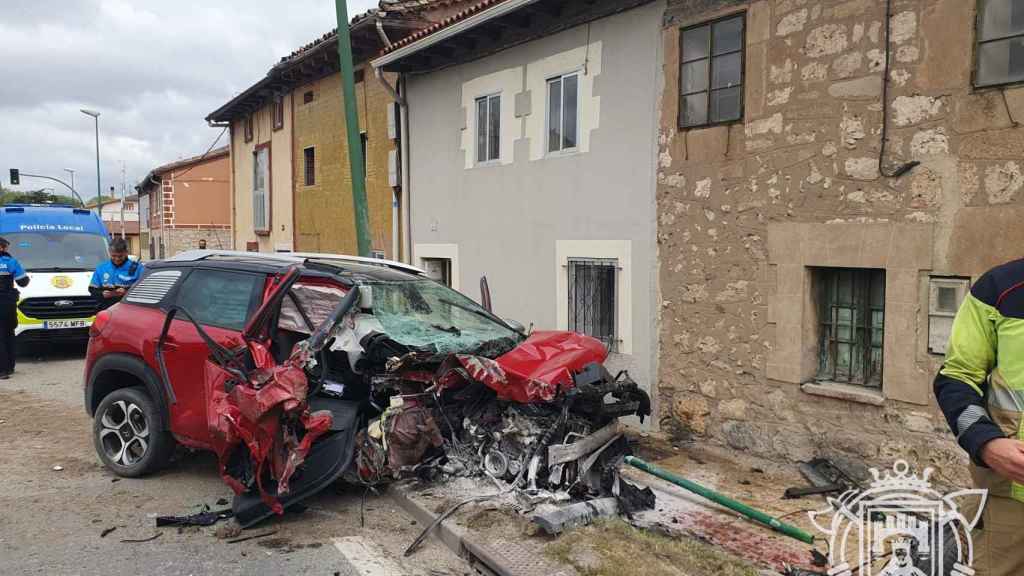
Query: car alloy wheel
{"type": "Point", "coordinates": [124, 433]}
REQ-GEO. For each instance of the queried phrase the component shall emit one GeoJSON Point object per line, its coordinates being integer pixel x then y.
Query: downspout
{"type": "Point", "coordinates": [404, 153]}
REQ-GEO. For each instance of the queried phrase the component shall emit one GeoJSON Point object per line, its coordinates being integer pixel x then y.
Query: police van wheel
{"type": "Point", "coordinates": [126, 436]}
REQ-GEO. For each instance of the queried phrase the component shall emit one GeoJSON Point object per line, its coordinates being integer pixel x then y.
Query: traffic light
{"type": "Point", "coordinates": [15, 177]}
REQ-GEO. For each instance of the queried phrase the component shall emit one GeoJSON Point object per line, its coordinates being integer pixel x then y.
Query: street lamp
{"type": "Point", "coordinates": [96, 116]}
{"type": "Point", "coordinates": [72, 173]}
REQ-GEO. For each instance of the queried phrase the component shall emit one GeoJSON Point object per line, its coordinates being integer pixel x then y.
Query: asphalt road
{"type": "Point", "coordinates": [53, 522]}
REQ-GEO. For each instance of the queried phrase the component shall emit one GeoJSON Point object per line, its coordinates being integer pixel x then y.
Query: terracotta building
{"type": "Point", "coordinates": [831, 180]}
{"type": "Point", "coordinates": [186, 202]}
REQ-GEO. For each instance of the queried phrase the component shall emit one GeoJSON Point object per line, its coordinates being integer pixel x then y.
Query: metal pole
{"type": "Point", "coordinates": [124, 186]}
{"type": "Point", "coordinates": [355, 145]}
{"type": "Point", "coordinates": [99, 194]}
{"type": "Point", "coordinates": [752, 513]}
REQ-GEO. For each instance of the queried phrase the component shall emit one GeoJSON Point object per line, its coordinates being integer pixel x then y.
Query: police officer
{"type": "Point", "coordinates": [112, 279]}
{"type": "Point", "coordinates": [11, 273]}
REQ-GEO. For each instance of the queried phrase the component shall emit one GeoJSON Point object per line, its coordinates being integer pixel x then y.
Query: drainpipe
{"type": "Point", "coordinates": [403, 107]}
{"type": "Point", "coordinates": [383, 35]}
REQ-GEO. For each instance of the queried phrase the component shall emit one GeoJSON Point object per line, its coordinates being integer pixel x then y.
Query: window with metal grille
{"type": "Point", "coordinates": [1000, 53]}
{"type": "Point", "coordinates": [563, 112]}
{"type": "Point", "coordinates": [488, 128]}
{"type": "Point", "coordinates": [307, 97]}
{"type": "Point", "coordinates": [593, 298]}
{"type": "Point", "coordinates": [852, 316]}
{"type": "Point", "coordinates": [309, 157]}
{"type": "Point", "coordinates": [711, 78]}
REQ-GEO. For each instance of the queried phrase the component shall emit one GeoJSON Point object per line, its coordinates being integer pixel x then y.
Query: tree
{"type": "Point", "coordinates": [8, 196]}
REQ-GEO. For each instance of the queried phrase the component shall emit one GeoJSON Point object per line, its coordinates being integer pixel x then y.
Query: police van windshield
{"type": "Point", "coordinates": [57, 251]}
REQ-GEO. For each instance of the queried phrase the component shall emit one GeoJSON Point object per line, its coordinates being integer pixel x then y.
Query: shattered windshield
{"type": "Point", "coordinates": [425, 313]}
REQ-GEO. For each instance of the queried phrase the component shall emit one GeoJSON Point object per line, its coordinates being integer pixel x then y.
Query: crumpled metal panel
{"type": "Point", "coordinates": [538, 369]}
{"type": "Point", "coordinates": [268, 414]}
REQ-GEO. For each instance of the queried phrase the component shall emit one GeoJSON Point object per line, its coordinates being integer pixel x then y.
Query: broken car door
{"type": "Point", "coordinates": [221, 301]}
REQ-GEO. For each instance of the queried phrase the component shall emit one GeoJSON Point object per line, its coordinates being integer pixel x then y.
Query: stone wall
{"type": "Point", "coordinates": [747, 209]}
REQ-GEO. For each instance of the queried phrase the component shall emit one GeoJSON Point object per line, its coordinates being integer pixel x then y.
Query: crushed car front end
{"type": "Point", "coordinates": [368, 374]}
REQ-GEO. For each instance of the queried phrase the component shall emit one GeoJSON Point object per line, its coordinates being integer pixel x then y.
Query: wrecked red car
{"type": "Point", "coordinates": [302, 370]}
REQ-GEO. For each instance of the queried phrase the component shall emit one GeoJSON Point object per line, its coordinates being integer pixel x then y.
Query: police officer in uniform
{"type": "Point", "coordinates": [11, 273]}
{"type": "Point", "coordinates": [112, 278]}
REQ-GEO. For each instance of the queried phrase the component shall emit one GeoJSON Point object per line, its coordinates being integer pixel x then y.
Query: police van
{"type": "Point", "coordinates": [59, 246]}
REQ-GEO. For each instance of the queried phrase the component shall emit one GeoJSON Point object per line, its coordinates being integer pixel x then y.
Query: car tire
{"type": "Point", "coordinates": [125, 434]}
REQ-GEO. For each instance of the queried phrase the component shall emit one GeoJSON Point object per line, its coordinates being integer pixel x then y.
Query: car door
{"type": "Point", "coordinates": [222, 302]}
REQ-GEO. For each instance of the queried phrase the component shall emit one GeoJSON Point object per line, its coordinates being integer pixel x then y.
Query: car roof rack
{"type": "Point", "coordinates": [291, 258]}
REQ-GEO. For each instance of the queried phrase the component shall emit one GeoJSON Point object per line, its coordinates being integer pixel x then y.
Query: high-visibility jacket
{"type": "Point", "coordinates": [981, 385]}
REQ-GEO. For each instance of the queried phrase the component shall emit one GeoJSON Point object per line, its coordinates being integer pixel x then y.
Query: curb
{"type": "Point", "coordinates": [490, 559]}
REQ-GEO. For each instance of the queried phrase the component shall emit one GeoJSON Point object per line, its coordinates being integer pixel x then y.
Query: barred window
{"type": "Point", "coordinates": [852, 315]}
{"type": "Point", "coordinates": [309, 165]}
{"type": "Point", "coordinates": [593, 298]}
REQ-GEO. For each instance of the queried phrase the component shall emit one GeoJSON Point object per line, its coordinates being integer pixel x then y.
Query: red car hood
{"type": "Point", "coordinates": [537, 369]}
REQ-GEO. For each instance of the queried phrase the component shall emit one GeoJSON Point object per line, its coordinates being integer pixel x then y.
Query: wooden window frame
{"type": "Point", "coordinates": [308, 166]}
{"type": "Point", "coordinates": [863, 304]}
{"type": "Point", "coordinates": [977, 44]}
{"type": "Point", "coordinates": [710, 58]}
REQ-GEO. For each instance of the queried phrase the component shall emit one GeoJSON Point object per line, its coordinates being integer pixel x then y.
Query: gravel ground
{"type": "Point", "coordinates": [53, 522]}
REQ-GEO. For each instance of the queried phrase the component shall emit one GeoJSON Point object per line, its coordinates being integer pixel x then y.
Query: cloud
{"type": "Point", "coordinates": [153, 68]}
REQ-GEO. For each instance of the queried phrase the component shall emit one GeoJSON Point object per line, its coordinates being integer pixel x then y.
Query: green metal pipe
{"type": "Point", "coordinates": [747, 511]}
{"type": "Point", "coordinates": [355, 142]}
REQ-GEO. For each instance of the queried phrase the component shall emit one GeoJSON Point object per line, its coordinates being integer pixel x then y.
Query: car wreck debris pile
{"type": "Point", "coordinates": [374, 381]}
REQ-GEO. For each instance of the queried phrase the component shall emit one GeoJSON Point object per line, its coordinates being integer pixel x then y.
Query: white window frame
{"type": "Point", "coordinates": [940, 322]}
{"type": "Point", "coordinates": [488, 161]}
{"type": "Point", "coordinates": [263, 226]}
{"type": "Point", "coordinates": [441, 251]}
{"type": "Point", "coordinates": [620, 250]}
{"type": "Point", "coordinates": [547, 113]}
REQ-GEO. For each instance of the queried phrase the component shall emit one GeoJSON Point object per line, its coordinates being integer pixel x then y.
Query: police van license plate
{"type": "Point", "coordinates": [60, 324]}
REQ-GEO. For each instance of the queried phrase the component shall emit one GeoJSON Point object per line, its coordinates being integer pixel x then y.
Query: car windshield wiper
{"type": "Point", "coordinates": [481, 313]}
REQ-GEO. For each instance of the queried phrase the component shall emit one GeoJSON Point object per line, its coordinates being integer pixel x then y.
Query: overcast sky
{"type": "Point", "coordinates": [153, 68]}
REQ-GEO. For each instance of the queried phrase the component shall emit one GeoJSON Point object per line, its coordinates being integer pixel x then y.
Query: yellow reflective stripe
{"type": "Point", "coordinates": [22, 319]}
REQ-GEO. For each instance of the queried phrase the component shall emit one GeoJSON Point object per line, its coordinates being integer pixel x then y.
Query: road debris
{"type": "Point", "coordinates": [107, 531]}
{"type": "Point", "coordinates": [139, 541]}
{"type": "Point", "coordinates": [751, 513]}
{"type": "Point", "coordinates": [556, 521]}
{"type": "Point", "coordinates": [58, 468]}
{"type": "Point", "coordinates": [205, 518]}
{"type": "Point", "coordinates": [253, 537]}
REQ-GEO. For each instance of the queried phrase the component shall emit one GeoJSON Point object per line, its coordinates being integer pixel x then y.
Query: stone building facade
{"type": "Point", "coordinates": [767, 224]}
